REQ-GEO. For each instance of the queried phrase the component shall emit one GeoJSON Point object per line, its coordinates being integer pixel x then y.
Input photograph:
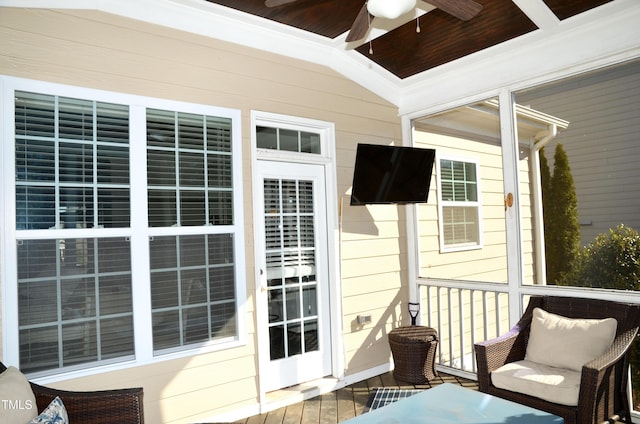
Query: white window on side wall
{"type": "Point", "coordinates": [459, 209]}
{"type": "Point", "coordinates": [126, 218]}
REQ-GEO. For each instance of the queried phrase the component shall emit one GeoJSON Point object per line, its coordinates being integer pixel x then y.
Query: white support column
{"type": "Point", "coordinates": [510, 162]}
{"type": "Point", "coordinates": [413, 243]}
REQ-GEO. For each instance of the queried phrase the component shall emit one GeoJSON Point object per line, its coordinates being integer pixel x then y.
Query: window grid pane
{"type": "Point", "coordinates": [189, 169]}
{"type": "Point", "coordinates": [69, 312]}
{"type": "Point", "coordinates": [67, 152]}
{"type": "Point", "coordinates": [192, 289]}
{"type": "Point", "coordinates": [460, 225]}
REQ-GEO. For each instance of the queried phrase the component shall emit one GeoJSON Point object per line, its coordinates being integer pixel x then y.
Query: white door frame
{"type": "Point", "coordinates": [327, 159]}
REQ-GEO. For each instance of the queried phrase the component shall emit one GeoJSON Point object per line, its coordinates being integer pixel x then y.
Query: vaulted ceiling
{"type": "Point", "coordinates": [397, 47]}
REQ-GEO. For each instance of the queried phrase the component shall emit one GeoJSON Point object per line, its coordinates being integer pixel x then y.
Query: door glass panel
{"type": "Point", "coordinates": [310, 301]}
{"type": "Point", "coordinates": [294, 339]}
{"type": "Point", "coordinates": [289, 140]}
{"type": "Point", "coordinates": [293, 303]}
{"type": "Point", "coordinates": [291, 267]}
{"type": "Point", "coordinates": [311, 335]}
{"type": "Point", "coordinates": [276, 341]}
{"type": "Point", "coordinates": [276, 311]}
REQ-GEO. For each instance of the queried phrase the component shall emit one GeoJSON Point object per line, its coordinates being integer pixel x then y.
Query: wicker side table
{"type": "Point", "coordinates": [414, 353]}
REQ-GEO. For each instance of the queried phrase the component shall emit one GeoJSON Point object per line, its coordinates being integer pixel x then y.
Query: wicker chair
{"type": "Point", "coordinates": [603, 383]}
{"type": "Point", "coordinates": [122, 406]}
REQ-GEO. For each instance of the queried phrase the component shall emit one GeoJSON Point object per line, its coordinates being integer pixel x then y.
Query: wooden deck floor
{"type": "Point", "coordinates": [345, 403]}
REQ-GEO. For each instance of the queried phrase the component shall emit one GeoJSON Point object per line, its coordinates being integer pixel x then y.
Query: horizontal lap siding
{"type": "Point", "coordinates": [601, 144]}
{"type": "Point", "coordinates": [489, 262]}
{"type": "Point", "coordinates": [97, 50]}
{"type": "Point", "coordinates": [373, 273]}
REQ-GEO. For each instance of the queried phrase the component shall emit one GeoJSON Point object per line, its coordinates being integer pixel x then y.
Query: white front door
{"type": "Point", "coordinates": [294, 286]}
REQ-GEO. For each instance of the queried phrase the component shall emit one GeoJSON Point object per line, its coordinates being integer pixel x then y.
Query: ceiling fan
{"type": "Point", "coordinates": [391, 9]}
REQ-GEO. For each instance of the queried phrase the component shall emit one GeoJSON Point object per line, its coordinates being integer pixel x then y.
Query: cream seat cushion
{"type": "Point", "coordinates": [563, 342]}
{"type": "Point", "coordinates": [558, 385]}
{"type": "Point", "coordinates": [18, 403]}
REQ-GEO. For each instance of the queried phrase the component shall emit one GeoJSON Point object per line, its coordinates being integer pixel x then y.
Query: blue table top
{"type": "Point", "coordinates": [450, 403]}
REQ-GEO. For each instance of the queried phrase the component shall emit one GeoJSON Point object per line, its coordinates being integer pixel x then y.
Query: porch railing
{"type": "Point", "coordinates": [463, 315]}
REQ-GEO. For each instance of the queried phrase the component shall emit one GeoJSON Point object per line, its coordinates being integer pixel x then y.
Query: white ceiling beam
{"type": "Point", "coordinates": [538, 12]}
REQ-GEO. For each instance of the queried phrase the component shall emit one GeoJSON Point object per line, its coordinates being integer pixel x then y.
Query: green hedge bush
{"type": "Point", "coordinates": [612, 261]}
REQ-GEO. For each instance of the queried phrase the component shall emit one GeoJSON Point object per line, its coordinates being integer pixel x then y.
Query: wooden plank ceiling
{"type": "Point", "coordinates": [403, 51]}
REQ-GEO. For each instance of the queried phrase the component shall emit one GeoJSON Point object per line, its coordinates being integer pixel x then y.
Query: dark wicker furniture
{"type": "Point", "coordinates": [122, 406]}
{"type": "Point", "coordinates": [414, 353]}
{"type": "Point", "coordinates": [603, 384]}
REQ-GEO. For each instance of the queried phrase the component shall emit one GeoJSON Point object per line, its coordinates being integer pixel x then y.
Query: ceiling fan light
{"type": "Point", "coordinates": [390, 9]}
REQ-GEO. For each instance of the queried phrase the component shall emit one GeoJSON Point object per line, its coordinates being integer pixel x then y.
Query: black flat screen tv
{"type": "Point", "coordinates": [391, 174]}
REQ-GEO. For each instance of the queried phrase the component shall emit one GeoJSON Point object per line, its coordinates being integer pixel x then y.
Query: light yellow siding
{"type": "Point", "coordinates": [489, 262]}
{"type": "Point", "coordinates": [101, 51]}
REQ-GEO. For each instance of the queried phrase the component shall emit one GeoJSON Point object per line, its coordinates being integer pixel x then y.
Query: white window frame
{"type": "Point", "coordinates": [138, 233]}
{"type": "Point", "coordinates": [444, 248]}
{"type": "Point", "coordinates": [273, 120]}
{"type": "Point", "coordinates": [327, 158]}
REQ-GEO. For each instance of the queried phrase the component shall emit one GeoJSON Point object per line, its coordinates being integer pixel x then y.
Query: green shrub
{"type": "Point", "coordinates": [612, 260]}
{"type": "Point", "coordinates": [561, 226]}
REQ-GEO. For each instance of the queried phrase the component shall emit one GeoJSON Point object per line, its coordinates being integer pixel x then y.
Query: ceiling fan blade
{"type": "Point", "coordinates": [276, 3]}
{"type": "Point", "coordinates": [360, 26]}
{"type": "Point", "coordinates": [461, 9]}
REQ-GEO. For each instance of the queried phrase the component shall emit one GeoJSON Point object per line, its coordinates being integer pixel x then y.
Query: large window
{"type": "Point", "coordinates": [84, 284]}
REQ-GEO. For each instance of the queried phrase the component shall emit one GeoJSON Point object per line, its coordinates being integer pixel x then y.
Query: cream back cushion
{"type": "Point", "coordinates": [563, 342]}
{"type": "Point", "coordinates": [18, 401]}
